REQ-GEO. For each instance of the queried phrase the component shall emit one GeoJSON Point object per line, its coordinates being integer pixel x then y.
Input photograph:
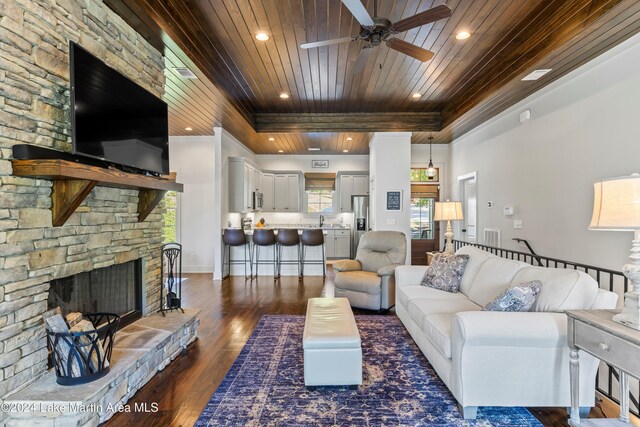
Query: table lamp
{"type": "Point", "coordinates": [448, 211]}
{"type": "Point", "coordinates": [616, 206]}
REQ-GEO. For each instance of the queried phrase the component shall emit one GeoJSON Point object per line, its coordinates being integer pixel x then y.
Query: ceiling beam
{"type": "Point", "coordinates": [348, 122]}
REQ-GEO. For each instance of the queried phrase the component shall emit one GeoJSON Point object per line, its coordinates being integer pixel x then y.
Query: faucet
{"type": "Point", "coordinates": [321, 220]}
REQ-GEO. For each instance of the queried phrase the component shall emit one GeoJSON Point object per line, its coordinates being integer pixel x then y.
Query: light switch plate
{"type": "Point", "coordinates": [517, 223]}
{"type": "Point", "coordinates": [508, 210]}
{"type": "Point", "coordinates": [391, 221]}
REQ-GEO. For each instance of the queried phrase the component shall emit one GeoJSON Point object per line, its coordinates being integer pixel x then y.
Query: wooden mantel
{"type": "Point", "coordinates": [73, 182]}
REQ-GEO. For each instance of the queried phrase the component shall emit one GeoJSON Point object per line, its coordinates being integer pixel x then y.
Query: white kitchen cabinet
{"type": "Point", "coordinates": [360, 185]}
{"type": "Point", "coordinates": [352, 185]}
{"type": "Point", "coordinates": [244, 179]}
{"type": "Point", "coordinates": [337, 244]}
{"type": "Point", "coordinates": [286, 190]}
{"type": "Point", "coordinates": [267, 188]}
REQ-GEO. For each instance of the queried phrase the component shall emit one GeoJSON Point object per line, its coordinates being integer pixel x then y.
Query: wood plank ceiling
{"type": "Point", "coordinates": [466, 82]}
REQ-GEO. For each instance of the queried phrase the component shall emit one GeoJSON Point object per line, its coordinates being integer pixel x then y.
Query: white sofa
{"type": "Point", "coordinates": [498, 358]}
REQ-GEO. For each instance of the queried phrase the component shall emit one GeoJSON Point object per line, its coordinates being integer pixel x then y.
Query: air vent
{"type": "Point", "coordinates": [185, 73]}
{"type": "Point", "coordinates": [536, 74]}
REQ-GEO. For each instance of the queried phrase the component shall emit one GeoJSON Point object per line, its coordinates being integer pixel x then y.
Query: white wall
{"type": "Point", "coordinates": [390, 169]}
{"type": "Point", "coordinates": [193, 158]}
{"type": "Point", "coordinates": [584, 128]}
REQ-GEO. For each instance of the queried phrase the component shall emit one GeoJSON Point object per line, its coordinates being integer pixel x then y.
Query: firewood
{"type": "Point", "coordinates": [55, 323]}
{"type": "Point", "coordinates": [86, 340]}
{"type": "Point", "coordinates": [73, 318]}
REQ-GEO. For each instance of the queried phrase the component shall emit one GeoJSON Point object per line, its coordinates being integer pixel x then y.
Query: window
{"type": "Point", "coordinates": [420, 175]}
{"type": "Point", "coordinates": [170, 203]}
{"type": "Point", "coordinates": [422, 225]}
{"type": "Point", "coordinates": [320, 201]}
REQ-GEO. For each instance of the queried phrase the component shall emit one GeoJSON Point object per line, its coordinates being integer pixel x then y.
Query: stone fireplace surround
{"type": "Point", "coordinates": [34, 109]}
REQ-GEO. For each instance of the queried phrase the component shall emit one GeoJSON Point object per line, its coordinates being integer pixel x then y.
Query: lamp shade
{"type": "Point", "coordinates": [448, 211]}
{"type": "Point", "coordinates": [616, 204]}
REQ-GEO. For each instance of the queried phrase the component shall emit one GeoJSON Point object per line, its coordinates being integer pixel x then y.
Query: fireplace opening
{"type": "Point", "coordinates": [114, 289]}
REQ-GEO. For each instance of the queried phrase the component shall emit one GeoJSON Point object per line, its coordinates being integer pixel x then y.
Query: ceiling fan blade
{"type": "Point", "coordinates": [327, 42]}
{"type": "Point", "coordinates": [412, 50]}
{"type": "Point", "coordinates": [358, 10]}
{"type": "Point", "coordinates": [362, 60]}
{"type": "Point", "coordinates": [422, 18]}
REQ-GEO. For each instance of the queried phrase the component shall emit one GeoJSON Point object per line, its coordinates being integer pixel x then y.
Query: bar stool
{"type": "Point", "coordinates": [233, 237]}
{"type": "Point", "coordinates": [312, 237]}
{"type": "Point", "coordinates": [264, 238]}
{"type": "Point", "coordinates": [288, 237]}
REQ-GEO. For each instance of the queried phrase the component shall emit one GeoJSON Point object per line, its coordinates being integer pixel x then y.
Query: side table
{"type": "Point", "coordinates": [594, 332]}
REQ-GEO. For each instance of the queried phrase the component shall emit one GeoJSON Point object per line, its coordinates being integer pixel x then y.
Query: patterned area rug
{"type": "Point", "coordinates": [265, 385]}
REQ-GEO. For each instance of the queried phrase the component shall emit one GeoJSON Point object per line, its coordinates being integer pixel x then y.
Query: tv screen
{"type": "Point", "coordinates": [114, 119]}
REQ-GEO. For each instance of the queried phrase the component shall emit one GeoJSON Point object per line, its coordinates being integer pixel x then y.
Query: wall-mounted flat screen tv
{"type": "Point", "coordinates": [114, 119]}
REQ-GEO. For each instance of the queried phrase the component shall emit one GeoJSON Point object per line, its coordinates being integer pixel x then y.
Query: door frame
{"type": "Point", "coordinates": [461, 181]}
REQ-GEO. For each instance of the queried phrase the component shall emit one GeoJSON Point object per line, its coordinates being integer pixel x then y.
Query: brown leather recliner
{"type": "Point", "coordinates": [368, 281]}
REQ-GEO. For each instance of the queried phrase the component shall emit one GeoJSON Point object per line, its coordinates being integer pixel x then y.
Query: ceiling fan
{"type": "Point", "coordinates": [377, 30]}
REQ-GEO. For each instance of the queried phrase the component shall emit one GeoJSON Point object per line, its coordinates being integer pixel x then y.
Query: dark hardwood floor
{"type": "Point", "coordinates": [230, 312]}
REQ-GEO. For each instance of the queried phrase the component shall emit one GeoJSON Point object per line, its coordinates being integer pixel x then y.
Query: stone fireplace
{"type": "Point", "coordinates": [36, 258]}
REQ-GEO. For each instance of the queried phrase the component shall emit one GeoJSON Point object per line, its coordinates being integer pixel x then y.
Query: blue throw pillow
{"type": "Point", "coordinates": [517, 298]}
{"type": "Point", "coordinates": [445, 272]}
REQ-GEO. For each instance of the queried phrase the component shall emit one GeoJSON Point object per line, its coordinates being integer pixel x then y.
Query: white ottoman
{"type": "Point", "coordinates": [331, 342]}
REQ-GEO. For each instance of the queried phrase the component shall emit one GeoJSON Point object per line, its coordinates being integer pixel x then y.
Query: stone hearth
{"type": "Point", "coordinates": [140, 351]}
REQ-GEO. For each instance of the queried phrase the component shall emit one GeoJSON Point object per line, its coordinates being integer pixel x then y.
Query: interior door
{"type": "Point", "coordinates": [425, 232]}
{"type": "Point", "coordinates": [470, 209]}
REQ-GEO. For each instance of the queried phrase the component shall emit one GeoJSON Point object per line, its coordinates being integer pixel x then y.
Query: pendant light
{"type": "Point", "coordinates": [431, 171]}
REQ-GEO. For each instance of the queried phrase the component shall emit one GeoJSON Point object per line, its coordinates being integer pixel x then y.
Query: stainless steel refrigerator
{"type": "Point", "coordinates": [360, 206]}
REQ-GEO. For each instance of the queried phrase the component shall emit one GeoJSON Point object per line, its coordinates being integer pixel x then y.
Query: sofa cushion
{"type": "Point", "coordinates": [359, 281]}
{"type": "Point", "coordinates": [562, 289]}
{"type": "Point", "coordinates": [445, 272]}
{"type": "Point", "coordinates": [406, 293]}
{"type": "Point", "coordinates": [419, 308]}
{"type": "Point", "coordinates": [494, 276]}
{"type": "Point", "coordinates": [476, 258]}
{"type": "Point", "coordinates": [437, 328]}
{"type": "Point", "coordinates": [516, 298]}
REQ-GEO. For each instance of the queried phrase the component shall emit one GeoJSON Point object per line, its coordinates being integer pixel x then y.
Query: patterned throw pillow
{"type": "Point", "coordinates": [445, 272]}
{"type": "Point", "coordinates": [518, 298]}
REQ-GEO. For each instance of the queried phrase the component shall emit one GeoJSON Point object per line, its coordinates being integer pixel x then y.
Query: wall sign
{"type": "Point", "coordinates": [394, 200]}
{"type": "Point", "coordinates": [319, 164]}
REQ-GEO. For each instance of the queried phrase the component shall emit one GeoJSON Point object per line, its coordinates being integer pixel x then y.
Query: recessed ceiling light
{"type": "Point", "coordinates": [185, 73]}
{"type": "Point", "coordinates": [263, 37]}
{"type": "Point", "coordinates": [284, 95]}
{"type": "Point", "coordinates": [188, 129]}
{"type": "Point", "coordinates": [313, 149]}
{"type": "Point", "coordinates": [536, 74]}
{"type": "Point", "coordinates": [349, 139]}
{"type": "Point", "coordinates": [416, 95]}
{"type": "Point", "coordinates": [272, 139]}
{"type": "Point", "coordinates": [280, 151]}
{"type": "Point", "coordinates": [463, 35]}
{"type": "Point", "coordinates": [345, 151]}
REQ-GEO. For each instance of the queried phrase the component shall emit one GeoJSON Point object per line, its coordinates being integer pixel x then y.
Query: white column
{"type": "Point", "coordinates": [390, 170]}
